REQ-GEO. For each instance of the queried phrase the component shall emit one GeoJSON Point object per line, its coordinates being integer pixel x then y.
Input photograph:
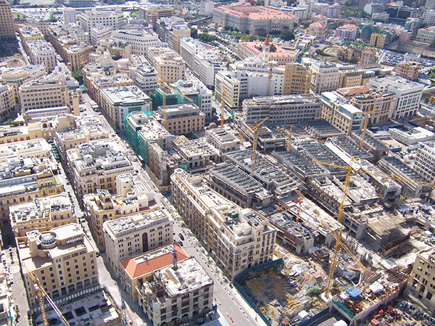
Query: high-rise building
{"type": "Point", "coordinates": [295, 79]}
{"type": "Point", "coordinates": [325, 76]}
{"type": "Point", "coordinates": [408, 70]}
{"type": "Point", "coordinates": [7, 26]}
{"type": "Point", "coordinates": [91, 18]}
{"type": "Point", "coordinates": [425, 161]}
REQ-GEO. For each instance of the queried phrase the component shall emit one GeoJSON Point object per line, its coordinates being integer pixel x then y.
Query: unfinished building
{"type": "Point", "coordinates": [322, 129]}
{"type": "Point", "coordinates": [272, 175]}
{"type": "Point", "coordinates": [374, 146]}
{"type": "Point", "coordinates": [232, 183]}
{"type": "Point", "coordinates": [347, 145]}
{"type": "Point", "coordinates": [301, 164]}
{"type": "Point", "coordinates": [222, 140]}
{"type": "Point", "coordinates": [406, 176]}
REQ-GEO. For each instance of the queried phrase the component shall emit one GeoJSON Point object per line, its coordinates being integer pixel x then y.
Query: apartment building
{"type": "Point", "coordinates": [367, 99]}
{"type": "Point", "coordinates": [425, 161]}
{"type": "Point", "coordinates": [256, 20]}
{"type": "Point", "coordinates": [421, 283]}
{"type": "Point", "coordinates": [95, 165]}
{"type": "Point", "coordinates": [26, 173]}
{"type": "Point", "coordinates": [69, 16]}
{"type": "Point", "coordinates": [171, 30]}
{"type": "Point", "coordinates": [91, 18]}
{"type": "Point", "coordinates": [181, 119]}
{"type": "Point", "coordinates": [118, 102]}
{"type": "Point", "coordinates": [408, 70]}
{"type": "Point", "coordinates": [29, 33]}
{"type": "Point", "coordinates": [62, 260]}
{"type": "Point", "coordinates": [7, 27]}
{"type": "Point", "coordinates": [222, 140]}
{"type": "Point", "coordinates": [143, 73]}
{"type": "Point", "coordinates": [100, 32]}
{"type": "Point", "coordinates": [154, 13]}
{"type": "Point", "coordinates": [25, 133]}
{"type": "Point", "coordinates": [279, 55]}
{"type": "Point", "coordinates": [7, 100]}
{"type": "Point", "coordinates": [340, 112]}
{"type": "Point", "coordinates": [170, 67]}
{"type": "Point", "coordinates": [127, 237]}
{"type": "Point", "coordinates": [281, 110]}
{"type": "Point", "coordinates": [295, 79]}
{"type": "Point", "coordinates": [236, 238]}
{"type": "Point", "coordinates": [136, 270]}
{"type": "Point", "coordinates": [139, 40]}
{"type": "Point", "coordinates": [317, 30]}
{"type": "Point", "coordinates": [234, 86]}
{"type": "Point", "coordinates": [42, 53]}
{"type": "Point", "coordinates": [177, 294]}
{"type": "Point", "coordinates": [347, 32]}
{"type": "Point", "coordinates": [378, 40]}
{"type": "Point", "coordinates": [325, 76]}
{"type": "Point", "coordinates": [426, 35]}
{"type": "Point", "coordinates": [41, 214]}
{"type": "Point", "coordinates": [197, 92]}
{"type": "Point", "coordinates": [131, 198]}
{"type": "Point", "coordinates": [408, 94]}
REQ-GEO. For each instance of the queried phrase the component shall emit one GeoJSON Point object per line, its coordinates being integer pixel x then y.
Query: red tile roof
{"type": "Point", "coordinates": [145, 267]}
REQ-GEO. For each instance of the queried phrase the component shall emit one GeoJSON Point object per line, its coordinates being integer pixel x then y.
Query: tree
{"type": "Point", "coordinates": [287, 35]}
{"type": "Point", "coordinates": [193, 32]}
{"type": "Point", "coordinates": [78, 75]}
{"type": "Point", "coordinates": [272, 48]}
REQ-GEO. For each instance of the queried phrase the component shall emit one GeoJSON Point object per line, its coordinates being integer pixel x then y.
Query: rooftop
{"type": "Point", "coordinates": [136, 222]}
{"type": "Point", "coordinates": [125, 95]}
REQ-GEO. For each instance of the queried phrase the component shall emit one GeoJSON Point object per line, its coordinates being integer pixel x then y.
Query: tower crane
{"type": "Point", "coordinates": [41, 295]}
{"type": "Point", "coordinates": [337, 246]}
{"type": "Point", "coordinates": [223, 105]}
{"type": "Point", "coordinates": [290, 134]}
{"type": "Point", "coordinates": [254, 143]}
{"type": "Point", "coordinates": [366, 122]}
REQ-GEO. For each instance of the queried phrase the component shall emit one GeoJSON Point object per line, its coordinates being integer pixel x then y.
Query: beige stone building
{"type": "Point", "coordinates": [153, 14]}
{"type": "Point", "coordinates": [62, 260]}
{"type": "Point", "coordinates": [131, 198]}
{"type": "Point", "coordinates": [295, 79]}
{"type": "Point", "coordinates": [26, 133]}
{"type": "Point", "coordinates": [378, 40]}
{"type": "Point", "coordinates": [181, 119]}
{"type": "Point", "coordinates": [177, 294]}
{"type": "Point", "coordinates": [170, 67]}
{"type": "Point", "coordinates": [325, 76]}
{"type": "Point", "coordinates": [7, 26]}
{"type": "Point", "coordinates": [7, 100]}
{"type": "Point", "coordinates": [127, 237]}
{"type": "Point", "coordinates": [135, 271]}
{"type": "Point", "coordinates": [235, 238]}
{"type": "Point", "coordinates": [408, 70]}
{"type": "Point", "coordinates": [318, 30]}
{"type": "Point", "coordinates": [95, 165]}
{"type": "Point", "coordinates": [421, 284]}
{"type": "Point", "coordinates": [41, 214]}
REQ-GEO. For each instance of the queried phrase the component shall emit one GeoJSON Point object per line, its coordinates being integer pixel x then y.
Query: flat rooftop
{"type": "Point", "coordinates": [347, 145]}
{"type": "Point", "coordinates": [136, 222]}
{"type": "Point", "coordinates": [322, 129]}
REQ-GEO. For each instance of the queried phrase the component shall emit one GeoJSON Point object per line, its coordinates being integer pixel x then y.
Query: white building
{"type": "Point", "coordinates": [425, 161]}
{"type": "Point", "coordinates": [100, 32]}
{"type": "Point", "coordinates": [42, 53]}
{"type": "Point", "coordinates": [426, 35]}
{"type": "Point", "coordinates": [127, 237]}
{"type": "Point", "coordinates": [69, 16]}
{"type": "Point", "coordinates": [325, 77]}
{"type": "Point", "coordinates": [198, 92]}
{"type": "Point", "coordinates": [412, 137]}
{"type": "Point", "coordinates": [91, 18]}
{"type": "Point", "coordinates": [206, 7]}
{"type": "Point", "coordinates": [408, 94]}
{"type": "Point", "coordinates": [140, 40]}
{"type": "Point", "coordinates": [143, 73]}
{"type": "Point", "coordinates": [7, 100]}
{"type": "Point", "coordinates": [429, 17]}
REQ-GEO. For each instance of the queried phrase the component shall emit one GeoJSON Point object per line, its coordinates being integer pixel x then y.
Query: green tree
{"type": "Point", "coordinates": [287, 35]}
{"type": "Point", "coordinates": [272, 48]}
{"type": "Point", "coordinates": [193, 32]}
{"type": "Point", "coordinates": [78, 75]}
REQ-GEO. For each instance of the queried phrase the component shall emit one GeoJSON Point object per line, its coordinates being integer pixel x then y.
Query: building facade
{"type": "Point", "coordinates": [7, 26]}
{"type": "Point", "coordinates": [425, 162]}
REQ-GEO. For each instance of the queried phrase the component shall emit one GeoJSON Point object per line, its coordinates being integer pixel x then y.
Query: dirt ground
{"type": "Point", "coordinates": [16, 60]}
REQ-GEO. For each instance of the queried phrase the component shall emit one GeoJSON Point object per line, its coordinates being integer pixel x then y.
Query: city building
{"type": "Point", "coordinates": [170, 67]}
{"type": "Point", "coordinates": [177, 294]}
{"type": "Point", "coordinates": [420, 285]}
{"type": "Point", "coordinates": [411, 136]}
{"type": "Point", "coordinates": [408, 94]}
{"type": "Point", "coordinates": [362, 56]}
{"type": "Point", "coordinates": [135, 271]}
{"type": "Point", "coordinates": [42, 53]}
{"type": "Point", "coordinates": [317, 30]}
{"type": "Point", "coordinates": [325, 76]}
{"type": "Point", "coordinates": [340, 112]}
{"type": "Point", "coordinates": [100, 32]}
{"type": "Point", "coordinates": [256, 20]}
{"type": "Point", "coordinates": [278, 54]}
{"type": "Point", "coordinates": [143, 74]}
{"type": "Point", "coordinates": [95, 165]}
{"type": "Point", "coordinates": [367, 99]}
{"type": "Point", "coordinates": [117, 102]}
{"type": "Point", "coordinates": [154, 13]}
{"type": "Point", "coordinates": [327, 10]}
{"type": "Point", "coordinates": [139, 40]}
{"type": "Point", "coordinates": [26, 173]}
{"type": "Point", "coordinates": [194, 91]}
{"type": "Point", "coordinates": [222, 140]}
{"type": "Point", "coordinates": [69, 16]}
{"type": "Point", "coordinates": [7, 100]}
{"type": "Point", "coordinates": [181, 119]}
{"type": "Point", "coordinates": [80, 3]}
{"type": "Point", "coordinates": [130, 199]}
{"type": "Point", "coordinates": [7, 28]}
{"type": "Point", "coordinates": [426, 35]}
{"type": "Point", "coordinates": [206, 7]}
{"type": "Point", "coordinates": [91, 18]}
{"type": "Point", "coordinates": [425, 161]}
{"type": "Point", "coordinates": [171, 30]}
{"type": "Point", "coordinates": [244, 237]}
{"type": "Point", "coordinates": [127, 237]}
{"type": "Point", "coordinates": [41, 214]}
{"type": "Point", "coordinates": [378, 40]}
{"type": "Point", "coordinates": [295, 79]}
{"type": "Point", "coordinates": [347, 32]}
{"type": "Point", "coordinates": [63, 261]}
{"type": "Point", "coordinates": [408, 70]}
{"type": "Point", "coordinates": [281, 110]}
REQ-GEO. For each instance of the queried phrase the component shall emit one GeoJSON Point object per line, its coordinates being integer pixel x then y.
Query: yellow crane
{"type": "Point", "coordinates": [337, 246]}
{"type": "Point", "coordinates": [254, 142]}
{"type": "Point", "coordinates": [223, 105]}
{"type": "Point", "coordinates": [290, 134]}
{"type": "Point", "coordinates": [366, 121]}
{"type": "Point", "coordinates": [41, 295]}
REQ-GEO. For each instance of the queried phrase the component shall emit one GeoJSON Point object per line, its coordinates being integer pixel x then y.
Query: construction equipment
{"type": "Point", "coordinates": [40, 295]}
{"type": "Point", "coordinates": [366, 121]}
{"type": "Point", "coordinates": [300, 200]}
{"type": "Point", "coordinates": [289, 134]}
{"type": "Point", "coordinates": [254, 142]}
{"type": "Point", "coordinates": [337, 246]}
